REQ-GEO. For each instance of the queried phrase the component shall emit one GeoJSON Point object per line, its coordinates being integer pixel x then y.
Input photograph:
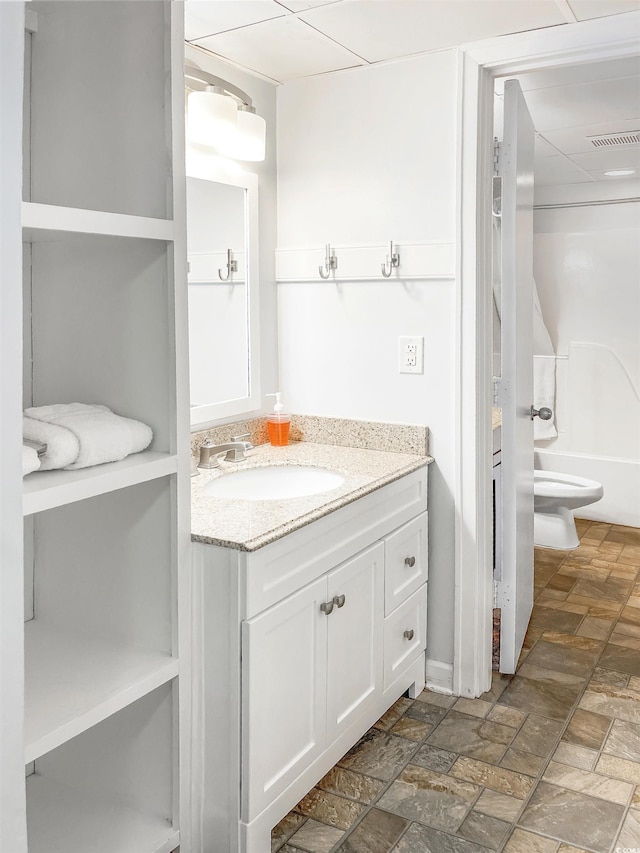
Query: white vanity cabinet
{"type": "Point", "coordinates": [300, 646]}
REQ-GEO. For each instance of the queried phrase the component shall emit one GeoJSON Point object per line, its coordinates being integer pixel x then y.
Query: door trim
{"type": "Point", "coordinates": [479, 64]}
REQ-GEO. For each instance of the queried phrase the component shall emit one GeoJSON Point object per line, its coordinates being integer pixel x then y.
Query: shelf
{"type": "Point", "coordinates": [47, 222]}
{"type": "Point", "coordinates": [71, 819]}
{"type": "Point", "coordinates": [48, 489]}
{"type": "Point", "coordinates": [73, 682]}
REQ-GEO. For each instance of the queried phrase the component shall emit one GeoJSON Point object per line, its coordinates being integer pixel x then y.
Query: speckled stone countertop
{"type": "Point", "coordinates": [249, 525]}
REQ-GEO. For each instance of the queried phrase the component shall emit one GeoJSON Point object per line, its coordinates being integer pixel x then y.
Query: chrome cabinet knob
{"type": "Point", "coordinates": [544, 413]}
{"type": "Point", "coordinates": [410, 561]}
{"type": "Point", "coordinates": [339, 600]}
{"type": "Point", "coordinates": [408, 635]}
{"type": "Point", "coordinates": [327, 607]}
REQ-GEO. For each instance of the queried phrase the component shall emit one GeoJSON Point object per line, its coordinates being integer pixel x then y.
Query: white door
{"type": "Point", "coordinates": [284, 680]}
{"type": "Point", "coordinates": [514, 589]}
{"type": "Point", "coordinates": [355, 639]}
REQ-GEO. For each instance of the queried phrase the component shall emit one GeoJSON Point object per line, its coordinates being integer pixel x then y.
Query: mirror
{"type": "Point", "coordinates": [222, 294]}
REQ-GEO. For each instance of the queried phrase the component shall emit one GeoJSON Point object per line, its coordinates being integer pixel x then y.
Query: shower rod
{"type": "Point", "coordinates": [586, 203]}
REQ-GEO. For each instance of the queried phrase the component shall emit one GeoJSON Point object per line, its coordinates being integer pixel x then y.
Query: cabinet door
{"type": "Point", "coordinates": [284, 682]}
{"type": "Point", "coordinates": [355, 638]}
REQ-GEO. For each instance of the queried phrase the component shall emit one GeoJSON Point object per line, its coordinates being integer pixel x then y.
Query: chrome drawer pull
{"type": "Point", "coordinates": [327, 607]}
{"type": "Point", "coordinates": [410, 561]}
{"type": "Point", "coordinates": [339, 600]}
{"type": "Point", "coordinates": [408, 635]}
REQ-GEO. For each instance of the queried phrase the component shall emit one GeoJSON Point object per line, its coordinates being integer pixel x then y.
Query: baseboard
{"type": "Point", "coordinates": [439, 676]}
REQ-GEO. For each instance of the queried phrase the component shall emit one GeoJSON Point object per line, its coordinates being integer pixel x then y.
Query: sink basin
{"type": "Point", "coordinates": [275, 482]}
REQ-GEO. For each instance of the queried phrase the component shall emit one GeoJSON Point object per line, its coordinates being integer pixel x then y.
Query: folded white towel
{"type": "Point", "coordinates": [79, 435]}
{"type": "Point", "coordinates": [30, 460]}
{"type": "Point", "coordinates": [63, 446]}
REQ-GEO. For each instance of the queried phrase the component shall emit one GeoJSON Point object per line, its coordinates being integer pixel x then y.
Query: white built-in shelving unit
{"type": "Point", "coordinates": [104, 321]}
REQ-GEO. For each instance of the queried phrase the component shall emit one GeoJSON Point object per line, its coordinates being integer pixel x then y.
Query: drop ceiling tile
{"type": "Point", "coordinates": [609, 158]}
{"type": "Point", "coordinates": [206, 17]}
{"type": "Point", "coordinates": [393, 28]}
{"type": "Point", "coordinates": [550, 171]}
{"type": "Point", "coordinates": [304, 5]}
{"type": "Point", "coordinates": [581, 103]}
{"type": "Point", "coordinates": [283, 49]}
{"type": "Point", "coordinates": [573, 140]}
{"type": "Point", "coordinates": [543, 148]}
{"type": "Point", "coordinates": [583, 73]}
{"type": "Point", "coordinates": [585, 9]}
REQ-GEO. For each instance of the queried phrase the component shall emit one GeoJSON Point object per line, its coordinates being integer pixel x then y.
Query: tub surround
{"type": "Point", "coordinates": [249, 525]}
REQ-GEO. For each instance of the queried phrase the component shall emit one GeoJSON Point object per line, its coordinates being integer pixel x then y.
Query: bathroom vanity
{"type": "Point", "coordinates": [310, 621]}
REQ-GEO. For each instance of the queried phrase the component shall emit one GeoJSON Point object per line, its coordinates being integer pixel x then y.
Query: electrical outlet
{"type": "Point", "coordinates": [411, 355]}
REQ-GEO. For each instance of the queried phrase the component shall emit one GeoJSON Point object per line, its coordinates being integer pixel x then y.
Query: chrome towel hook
{"type": "Point", "coordinates": [330, 262]}
{"type": "Point", "coordinates": [232, 266]}
{"type": "Point", "coordinates": [393, 260]}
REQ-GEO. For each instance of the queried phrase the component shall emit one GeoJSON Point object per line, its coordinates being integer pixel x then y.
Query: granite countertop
{"type": "Point", "coordinates": [248, 525]}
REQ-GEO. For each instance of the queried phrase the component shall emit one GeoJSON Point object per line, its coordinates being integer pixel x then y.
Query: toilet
{"type": "Point", "coordinates": [555, 497]}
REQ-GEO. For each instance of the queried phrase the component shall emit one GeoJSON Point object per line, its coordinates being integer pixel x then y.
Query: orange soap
{"type": "Point", "coordinates": [278, 432]}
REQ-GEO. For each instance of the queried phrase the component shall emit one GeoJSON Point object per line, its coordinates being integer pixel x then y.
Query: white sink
{"type": "Point", "coordinates": [274, 482]}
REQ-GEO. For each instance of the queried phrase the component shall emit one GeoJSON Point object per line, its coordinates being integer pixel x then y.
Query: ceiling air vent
{"type": "Point", "coordinates": [608, 140]}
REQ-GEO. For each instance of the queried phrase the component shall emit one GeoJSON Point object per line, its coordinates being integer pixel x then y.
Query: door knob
{"type": "Point", "coordinates": [410, 561]}
{"type": "Point", "coordinates": [544, 413]}
{"type": "Point", "coordinates": [408, 635]}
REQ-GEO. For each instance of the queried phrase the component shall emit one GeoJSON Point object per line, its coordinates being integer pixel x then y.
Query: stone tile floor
{"type": "Point", "coordinates": [547, 761]}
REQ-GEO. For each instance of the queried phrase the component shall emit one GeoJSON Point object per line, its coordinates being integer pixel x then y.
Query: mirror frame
{"type": "Point", "coordinates": [208, 168]}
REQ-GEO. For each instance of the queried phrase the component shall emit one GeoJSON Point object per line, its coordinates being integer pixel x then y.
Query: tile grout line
{"type": "Point", "coordinates": [387, 783]}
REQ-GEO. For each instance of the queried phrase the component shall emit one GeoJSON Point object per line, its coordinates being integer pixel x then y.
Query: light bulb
{"type": "Point", "coordinates": [211, 119]}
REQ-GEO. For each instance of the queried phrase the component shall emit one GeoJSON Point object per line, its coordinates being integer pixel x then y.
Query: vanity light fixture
{"type": "Point", "coordinates": [222, 117]}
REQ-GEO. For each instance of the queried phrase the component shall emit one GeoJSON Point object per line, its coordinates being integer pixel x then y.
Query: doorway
{"type": "Point", "coordinates": [586, 264]}
{"type": "Point", "coordinates": [536, 51]}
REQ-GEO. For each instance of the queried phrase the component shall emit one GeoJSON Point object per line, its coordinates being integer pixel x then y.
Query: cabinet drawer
{"type": "Point", "coordinates": [405, 556]}
{"type": "Point", "coordinates": [401, 647]}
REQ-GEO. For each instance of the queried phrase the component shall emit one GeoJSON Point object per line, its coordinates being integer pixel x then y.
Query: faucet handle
{"type": "Point", "coordinates": [207, 458]}
{"type": "Point", "coordinates": [241, 437]}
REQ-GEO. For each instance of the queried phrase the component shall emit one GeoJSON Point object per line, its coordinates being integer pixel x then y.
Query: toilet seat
{"type": "Point", "coordinates": [549, 484]}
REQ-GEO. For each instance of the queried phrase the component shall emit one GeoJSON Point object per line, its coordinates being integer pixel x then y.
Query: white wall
{"type": "Point", "coordinates": [587, 268]}
{"type": "Point", "coordinates": [263, 95]}
{"type": "Point", "coordinates": [366, 156]}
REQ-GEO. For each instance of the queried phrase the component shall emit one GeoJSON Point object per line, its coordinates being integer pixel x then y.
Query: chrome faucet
{"type": "Point", "coordinates": [234, 450]}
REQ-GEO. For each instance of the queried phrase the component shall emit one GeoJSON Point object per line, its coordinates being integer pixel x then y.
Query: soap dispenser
{"type": "Point", "coordinates": [278, 423]}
